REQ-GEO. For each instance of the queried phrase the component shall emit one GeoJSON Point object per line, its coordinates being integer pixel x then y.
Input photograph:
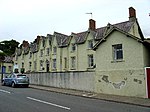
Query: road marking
{"type": "Point", "coordinates": [67, 108]}
{"type": "Point", "coordinates": [1, 90]}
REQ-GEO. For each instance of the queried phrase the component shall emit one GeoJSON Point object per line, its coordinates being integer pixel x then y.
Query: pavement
{"type": "Point", "coordinates": [144, 102]}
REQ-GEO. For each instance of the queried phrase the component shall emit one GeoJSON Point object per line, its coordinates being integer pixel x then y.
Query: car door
{"type": "Point", "coordinates": [9, 79]}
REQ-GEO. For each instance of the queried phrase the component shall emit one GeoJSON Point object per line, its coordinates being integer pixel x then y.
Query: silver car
{"type": "Point", "coordinates": [14, 80]}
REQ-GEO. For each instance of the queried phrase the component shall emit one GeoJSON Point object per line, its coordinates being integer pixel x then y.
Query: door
{"type": "Point", "coordinates": [148, 81]}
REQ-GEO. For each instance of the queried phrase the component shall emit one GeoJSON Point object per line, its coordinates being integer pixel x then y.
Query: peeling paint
{"type": "Point", "coordinates": [118, 85]}
{"type": "Point", "coordinates": [105, 78]}
{"type": "Point", "coordinates": [131, 72]}
{"type": "Point", "coordinates": [138, 81]}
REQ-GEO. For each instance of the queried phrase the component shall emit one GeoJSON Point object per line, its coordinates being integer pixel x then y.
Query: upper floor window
{"type": "Point", "coordinates": [47, 51]}
{"type": "Point", "coordinates": [117, 52]}
{"type": "Point", "coordinates": [54, 50]}
{"type": "Point", "coordinates": [22, 65]}
{"type": "Point", "coordinates": [41, 53]}
{"type": "Point", "coordinates": [73, 47]}
{"type": "Point", "coordinates": [90, 44]}
{"type": "Point", "coordinates": [90, 60]}
{"type": "Point", "coordinates": [30, 55]}
{"type": "Point", "coordinates": [43, 43]}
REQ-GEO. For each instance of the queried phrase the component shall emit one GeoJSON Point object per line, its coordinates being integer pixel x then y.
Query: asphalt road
{"type": "Point", "coordinates": [33, 100]}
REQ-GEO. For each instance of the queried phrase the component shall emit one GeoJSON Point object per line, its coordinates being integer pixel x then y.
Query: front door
{"type": "Point", "coordinates": [148, 81]}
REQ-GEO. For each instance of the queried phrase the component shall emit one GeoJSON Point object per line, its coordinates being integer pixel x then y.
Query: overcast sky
{"type": "Point", "coordinates": [25, 19]}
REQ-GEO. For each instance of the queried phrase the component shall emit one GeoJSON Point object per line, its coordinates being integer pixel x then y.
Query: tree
{"type": "Point", "coordinates": [8, 47]}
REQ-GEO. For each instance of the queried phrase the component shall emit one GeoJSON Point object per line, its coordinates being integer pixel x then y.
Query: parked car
{"type": "Point", "coordinates": [14, 80]}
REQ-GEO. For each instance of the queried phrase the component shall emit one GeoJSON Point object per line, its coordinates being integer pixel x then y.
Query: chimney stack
{"type": "Point", "coordinates": [92, 24]}
{"type": "Point", "coordinates": [25, 43]}
{"type": "Point", "coordinates": [132, 14]}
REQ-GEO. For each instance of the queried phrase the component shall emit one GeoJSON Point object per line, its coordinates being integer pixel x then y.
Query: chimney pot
{"type": "Point", "coordinates": [92, 24]}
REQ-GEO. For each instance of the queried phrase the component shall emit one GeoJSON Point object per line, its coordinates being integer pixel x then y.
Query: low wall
{"type": "Point", "coordinates": [71, 80]}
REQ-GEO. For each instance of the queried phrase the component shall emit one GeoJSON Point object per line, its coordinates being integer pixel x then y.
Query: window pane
{"type": "Point", "coordinates": [117, 51]}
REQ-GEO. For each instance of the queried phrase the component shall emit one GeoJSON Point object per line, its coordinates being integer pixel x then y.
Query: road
{"type": "Point", "coordinates": [34, 100]}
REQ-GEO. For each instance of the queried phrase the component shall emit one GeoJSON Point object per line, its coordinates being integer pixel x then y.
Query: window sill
{"type": "Point", "coordinates": [117, 61]}
{"type": "Point", "coordinates": [72, 51]}
{"type": "Point", "coordinates": [54, 69]}
{"type": "Point", "coordinates": [89, 49]}
{"type": "Point", "coordinates": [72, 69]}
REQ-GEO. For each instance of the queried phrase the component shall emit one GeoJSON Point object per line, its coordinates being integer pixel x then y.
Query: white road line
{"type": "Point", "coordinates": [67, 108]}
{"type": "Point", "coordinates": [1, 90]}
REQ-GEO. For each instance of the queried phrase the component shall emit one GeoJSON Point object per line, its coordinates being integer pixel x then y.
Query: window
{"type": "Point", "coordinates": [30, 55]}
{"type": "Point", "coordinates": [73, 48]}
{"type": "Point", "coordinates": [54, 50]}
{"type": "Point", "coordinates": [117, 52]}
{"type": "Point", "coordinates": [43, 43]}
{"type": "Point", "coordinates": [22, 65]}
{"type": "Point", "coordinates": [9, 68]}
{"type": "Point", "coordinates": [73, 62]}
{"type": "Point", "coordinates": [90, 61]}
{"type": "Point", "coordinates": [90, 44]}
{"type": "Point", "coordinates": [65, 60]}
{"type": "Point", "coordinates": [35, 65]}
{"type": "Point", "coordinates": [54, 63]}
{"type": "Point", "coordinates": [41, 64]}
{"type": "Point", "coordinates": [47, 51]}
{"type": "Point", "coordinates": [41, 53]}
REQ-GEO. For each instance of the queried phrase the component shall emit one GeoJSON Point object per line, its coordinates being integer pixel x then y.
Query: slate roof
{"type": "Point", "coordinates": [80, 37]}
{"type": "Point", "coordinates": [8, 59]}
{"type": "Point", "coordinates": [33, 47]}
{"type": "Point", "coordinates": [62, 39]}
{"type": "Point", "coordinates": [124, 26]}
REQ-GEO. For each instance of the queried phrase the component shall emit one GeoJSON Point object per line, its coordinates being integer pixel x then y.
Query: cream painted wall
{"type": "Point", "coordinates": [126, 77]}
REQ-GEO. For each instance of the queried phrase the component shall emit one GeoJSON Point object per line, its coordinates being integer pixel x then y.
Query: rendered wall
{"type": "Point", "coordinates": [71, 80]}
{"type": "Point", "coordinates": [124, 77]}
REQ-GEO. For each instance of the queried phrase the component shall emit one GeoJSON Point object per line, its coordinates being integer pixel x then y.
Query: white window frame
{"type": "Point", "coordinates": [117, 49]}
{"type": "Point", "coordinates": [47, 51]}
{"type": "Point", "coordinates": [73, 62]}
{"type": "Point", "coordinates": [54, 50]}
{"type": "Point", "coordinates": [90, 44]}
{"type": "Point", "coordinates": [90, 60]}
{"type": "Point", "coordinates": [73, 47]}
{"type": "Point", "coordinates": [54, 63]}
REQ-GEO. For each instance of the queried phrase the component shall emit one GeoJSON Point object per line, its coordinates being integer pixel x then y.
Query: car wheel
{"type": "Point", "coordinates": [13, 85]}
{"type": "Point", "coordinates": [3, 83]}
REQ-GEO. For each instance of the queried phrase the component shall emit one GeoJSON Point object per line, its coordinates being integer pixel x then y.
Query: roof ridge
{"type": "Point", "coordinates": [61, 33]}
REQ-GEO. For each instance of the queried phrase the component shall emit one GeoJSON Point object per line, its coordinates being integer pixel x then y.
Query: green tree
{"type": "Point", "coordinates": [8, 47]}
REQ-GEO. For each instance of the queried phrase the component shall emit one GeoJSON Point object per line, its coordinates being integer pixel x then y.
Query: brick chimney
{"type": "Point", "coordinates": [25, 43]}
{"type": "Point", "coordinates": [132, 14]}
{"type": "Point", "coordinates": [92, 24]}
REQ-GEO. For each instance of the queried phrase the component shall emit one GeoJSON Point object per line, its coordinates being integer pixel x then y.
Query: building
{"type": "Point", "coordinates": [117, 53]}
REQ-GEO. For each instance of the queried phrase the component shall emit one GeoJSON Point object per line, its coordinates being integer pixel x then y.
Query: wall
{"type": "Point", "coordinates": [124, 77]}
{"type": "Point", "coordinates": [71, 80]}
